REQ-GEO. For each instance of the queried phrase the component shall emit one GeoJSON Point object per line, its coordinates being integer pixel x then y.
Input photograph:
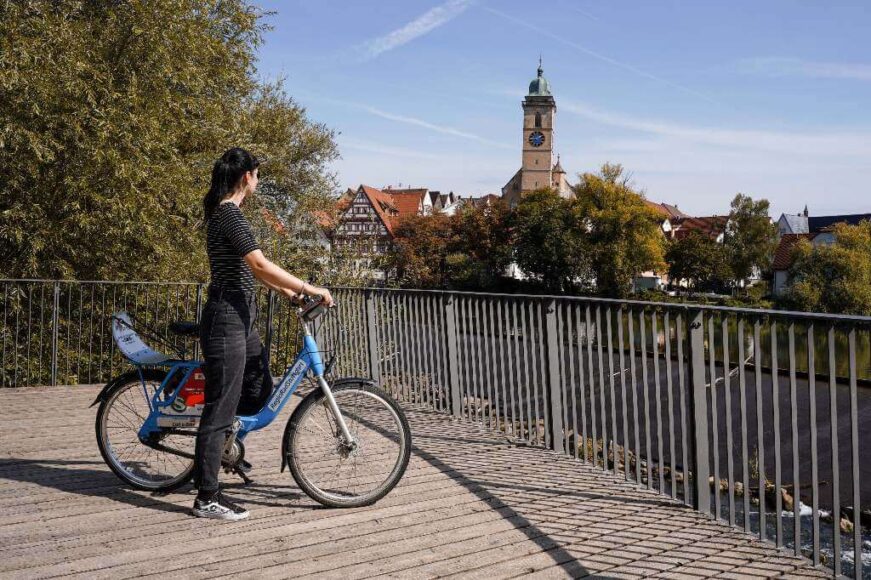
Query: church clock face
{"type": "Point", "coordinates": [536, 139]}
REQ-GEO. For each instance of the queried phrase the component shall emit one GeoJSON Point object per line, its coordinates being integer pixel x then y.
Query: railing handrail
{"type": "Point", "coordinates": [684, 306]}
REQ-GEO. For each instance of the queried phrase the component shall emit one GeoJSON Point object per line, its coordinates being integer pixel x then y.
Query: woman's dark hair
{"type": "Point", "coordinates": [226, 173]}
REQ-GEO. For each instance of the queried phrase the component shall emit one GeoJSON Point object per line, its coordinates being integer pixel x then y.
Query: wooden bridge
{"type": "Point", "coordinates": [472, 504]}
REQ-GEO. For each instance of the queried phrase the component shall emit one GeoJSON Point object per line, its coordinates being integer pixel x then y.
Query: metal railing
{"type": "Point", "coordinates": [753, 417]}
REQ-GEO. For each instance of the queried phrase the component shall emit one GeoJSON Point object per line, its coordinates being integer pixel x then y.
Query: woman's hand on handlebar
{"type": "Point", "coordinates": [323, 293]}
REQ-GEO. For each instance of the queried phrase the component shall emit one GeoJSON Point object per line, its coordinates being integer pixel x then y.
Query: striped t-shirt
{"type": "Point", "coordinates": [229, 238]}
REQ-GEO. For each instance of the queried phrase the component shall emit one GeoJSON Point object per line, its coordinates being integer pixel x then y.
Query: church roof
{"type": "Point", "coordinates": [539, 87]}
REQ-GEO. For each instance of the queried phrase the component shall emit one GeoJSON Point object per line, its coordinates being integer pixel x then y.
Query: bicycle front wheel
{"type": "Point", "coordinates": [333, 473]}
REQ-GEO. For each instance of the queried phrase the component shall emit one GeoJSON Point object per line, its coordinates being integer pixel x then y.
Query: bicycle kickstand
{"type": "Point", "coordinates": [240, 473]}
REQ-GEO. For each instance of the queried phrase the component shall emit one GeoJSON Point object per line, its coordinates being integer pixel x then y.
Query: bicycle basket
{"type": "Point", "coordinates": [131, 344]}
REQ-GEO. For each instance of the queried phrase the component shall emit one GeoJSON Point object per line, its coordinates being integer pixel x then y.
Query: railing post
{"type": "Point", "coordinates": [54, 324]}
{"type": "Point", "coordinates": [698, 428]}
{"type": "Point", "coordinates": [199, 309]}
{"type": "Point", "coordinates": [553, 378]}
{"type": "Point", "coordinates": [453, 356]}
{"type": "Point", "coordinates": [372, 337]}
{"type": "Point", "coordinates": [270, 309]}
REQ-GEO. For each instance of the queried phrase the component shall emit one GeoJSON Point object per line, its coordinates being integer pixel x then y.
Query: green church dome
{"type": "Point", "coordinates": [539, 87]}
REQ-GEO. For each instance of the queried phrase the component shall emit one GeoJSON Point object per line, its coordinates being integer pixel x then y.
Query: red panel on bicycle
{"type": "Point", "coordinates": [193, 392]}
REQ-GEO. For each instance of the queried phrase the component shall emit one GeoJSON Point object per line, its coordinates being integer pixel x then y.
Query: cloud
{"type": "Point", "coordinates": [420, 26]}
{"type": "Point", "coordinates": [821, 144]}
{"type": "Point", "coordinates": [599, 56]}
{"type": "Point", "coordinates": [443, 129]}
{"type": "Point", "coordinates": [794, 67]}
{"type": "Point", "coordinates": [368, 146]}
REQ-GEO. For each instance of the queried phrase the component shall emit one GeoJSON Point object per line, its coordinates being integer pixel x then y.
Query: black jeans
{"type": "Point", "coordinates": [237, 377]}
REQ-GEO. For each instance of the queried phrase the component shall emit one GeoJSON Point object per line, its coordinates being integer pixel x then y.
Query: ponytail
{"type": "Point", "coordinates": [226, 174]}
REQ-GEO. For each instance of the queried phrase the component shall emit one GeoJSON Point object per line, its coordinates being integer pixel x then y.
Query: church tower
{"type": "Point", "coordinates": [537, 169]}
{"type": "Point", "coordinates": [539, 110]}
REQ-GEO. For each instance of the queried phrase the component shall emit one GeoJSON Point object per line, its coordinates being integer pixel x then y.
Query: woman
{"type": "Point", "coordinates": [237, 377]}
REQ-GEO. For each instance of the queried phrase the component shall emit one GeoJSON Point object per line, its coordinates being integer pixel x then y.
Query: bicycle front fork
{"type": "Point", "coordinates": [331, 401]}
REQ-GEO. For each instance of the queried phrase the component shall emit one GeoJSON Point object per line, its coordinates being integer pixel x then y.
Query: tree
{"type": "Point", "coordinates": [833, 278]}
{"type": "Point", "coordinates": [623, 234]}
{"type": "Point", "coordinates": [112, 115]}
{"type": "Point", "coordinates": [548, 247]}
{"type": "Point", "coordinates": [417, 257]}
{"type": "Point", "coordinates": [481, 249]}
{"type": "Point", "coordinates": [699, 260]}
{"type": "Point", "coordinates": [750, 239]}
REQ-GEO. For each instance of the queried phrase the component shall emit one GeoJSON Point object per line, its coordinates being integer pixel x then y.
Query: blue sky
{"type": "Point", "coordinates": [699, 100]}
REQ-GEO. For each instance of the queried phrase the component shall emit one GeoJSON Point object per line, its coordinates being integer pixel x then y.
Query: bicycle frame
{"type": "Point", "coordinates": [308, 359]}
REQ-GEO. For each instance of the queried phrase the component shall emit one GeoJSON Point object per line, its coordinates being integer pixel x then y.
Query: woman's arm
{"type": "Point", "coordinates": [290, 294]}
{"type": "Point", "coordinates": [277, 278]}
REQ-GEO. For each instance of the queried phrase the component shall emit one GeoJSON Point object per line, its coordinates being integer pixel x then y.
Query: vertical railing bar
{"type": "Point", "coordinates": [642, 328]}
{"type": "Point", "coordinates": [760, 440]}
{"type": "Point", "coordinates": [796, 487]}
{"type": "Point", "coordinates": [522, 368]}
{"type": "Point", "coordinates": [593, 404]}
{"type": "Point", "coordinates": [498, 353]}
{"type": "Point", "coordinates": [622, 361]}
{"type": "Point", "coordinates": [402, 317]}
{"type": "Point", "coordinates": [55, 320]}
{"type": "Point", "coordinates": [836, 476]}
{"type": "Point", "coordinates": [670, 402]}
{"type": "Point", "coordinates": [15, 339]}
{"type": "Point", "coordinates": [102, 332]}
{"type": "Point", "coordinates": [557, 395]}
{"type": "Point", "coordinates": [492, 403]}
{"type": "Point", "coordinates": [775, 394]}
{"type": "Point", "coordinates": [542, 372]}
{"type": "Point", "coordinates": [440, 392]}
{"type": "Point", "coordinates": [573, 375]}
{"type": "Point", "coordinates": [681, 373]}
{"type": "Point", "coordinates": [582, 387]}
{"type": "Point", "coordinates": [715, 429]}
{"type": "Point", "coordinates": [854, 445]}
{"type": "Point", "coordinates": [660, 450]}
{"type": "Point", "coordinates": [529, 369]}
{"type": "Point", "coordinates": [699, 406]}
{"type": "Point", "coordinates": [479, 364]}
{"type": "Point", "coordinates": [727, 388]}
{"type": "Point", "coordinates": [29, 334]}
{"type": "Point", "coordinates": [742, 405]}
{"type": "Point", "coordinates": [5, 322]}
{"type": "Point", "coordinates": [468, 363]}
{"type": "Point", "coordinates": [602, 414]}
{"type": "Point", "coordinates": [416, 354]}
{"type": "Point", "coordinates": [630, 318]}
{"type": "Point", "coordinates": [91, 335]}
{"type": "Point", "coordinates": [112, 342]}
{"type": "Point", "coordinates": [426, 336]}
{"type": "Point", "coordinates": [515, 368]}
{"type": "Point", "coordinates": [610, 330]}
{"type": "Point", "coordinates": [454, 382]}
{"type": "Point", "coordinates": [552, 334]}
{"type": "Point", "coordinates": [79, 348]}
{"type": "Point", "coordinates": [40, 363]}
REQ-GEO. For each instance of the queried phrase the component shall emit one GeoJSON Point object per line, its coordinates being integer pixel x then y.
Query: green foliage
{"type": "Point", "coordinates": [548, 244]}
{"type": "Point", "coordinates": [622, 235]}
{"type": "Point", "coordinates": [418, 256]}
{"type": "Point", "coordinates": [833, 278]}
{"type": "Point", "coordinates": [482, 246]}
{"type": "Point", "coordinates": [112, 116]}
{"type": "Point", "coordinates": [751, 237]}
{"type": "Point", "coordinates": [698, 260]}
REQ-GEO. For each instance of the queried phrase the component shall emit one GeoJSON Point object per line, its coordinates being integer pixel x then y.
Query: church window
{"type": "Point", "coordinates": [538, 120]}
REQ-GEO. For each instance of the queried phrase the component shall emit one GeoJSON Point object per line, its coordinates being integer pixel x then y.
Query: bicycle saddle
{"type": "Point", "coordinates": [184, 328]}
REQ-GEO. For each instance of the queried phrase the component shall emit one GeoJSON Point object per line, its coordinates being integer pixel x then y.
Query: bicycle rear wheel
{"type": "Point", "coordinates": [144, 466]}
{"type": "Point", "coordinates": [331, 472]}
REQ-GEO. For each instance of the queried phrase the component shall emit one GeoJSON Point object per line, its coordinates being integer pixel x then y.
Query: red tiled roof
{"type": "Point", "coordinates": [383, 204]}
{"type": "Point", "coordinates": [407, 201]}
{"type": "Point", "coordinates": [711, 226]}
{"type": "Point", "coordinates": [664, 210]}
{"type": "Point", "coordinates": [783, 254]}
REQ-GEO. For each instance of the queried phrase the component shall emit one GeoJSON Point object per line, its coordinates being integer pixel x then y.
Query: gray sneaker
{"type": "Point", "coordinates": [219, 508]}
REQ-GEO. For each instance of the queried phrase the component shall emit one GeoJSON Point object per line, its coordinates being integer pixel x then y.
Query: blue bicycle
{"type": "Point", "coordinates": [347, 443]}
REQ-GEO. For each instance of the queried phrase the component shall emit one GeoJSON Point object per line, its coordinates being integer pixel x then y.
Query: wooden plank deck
{"type": "Point", "coordinates": [471, 505]}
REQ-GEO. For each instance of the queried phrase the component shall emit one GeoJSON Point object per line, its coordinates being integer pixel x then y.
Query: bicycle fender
{"type": "Point", "coordinates": [122, 379]}
{"type": "Point", "coordinates": [335, 383]}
